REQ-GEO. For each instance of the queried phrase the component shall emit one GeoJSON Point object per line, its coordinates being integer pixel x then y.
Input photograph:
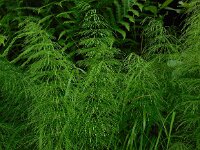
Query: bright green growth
{"type": "Point", "coordinates": [66, 85]}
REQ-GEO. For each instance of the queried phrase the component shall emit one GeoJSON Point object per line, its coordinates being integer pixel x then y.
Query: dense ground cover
{"type": "Point", "coordinates": [99, 75]}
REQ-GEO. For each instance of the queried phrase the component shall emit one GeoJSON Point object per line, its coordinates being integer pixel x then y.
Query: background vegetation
{"type": "Point", "coordinates": [99, 75]}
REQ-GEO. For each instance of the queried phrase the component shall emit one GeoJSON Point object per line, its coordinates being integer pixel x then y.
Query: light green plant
{"type": "Point", "coordinates": [98, 109]}
{"type": "Point", "coordinates": [65, 85]}
{"type": "Point", "coordinates": [187, 75]}
{"type": "Point", "coordinates": [49, 73]}
{"type": "Point", "coordinates": [157, 39]}
{"type": "Point", "coordinates": [142, 104]}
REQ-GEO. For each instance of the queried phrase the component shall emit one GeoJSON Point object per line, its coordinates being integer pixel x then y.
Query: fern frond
{"type": "Point", "coordinates": [96, 93]}
{"type": "Point", "coordinates": [158, 40]}
{"type": "Point", "coordinates": [49, 71]}
{"type": "Point", "coordinates": [142, 103]}
{"type": "Point", "coordinates": [96, 37]}
{"type": "Point", "coordinates": [122, 10]}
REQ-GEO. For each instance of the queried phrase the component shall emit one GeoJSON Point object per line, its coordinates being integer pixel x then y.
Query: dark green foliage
{"type": "Point", "coordinates": [13, 115]}
{"type": "Point", "coordinates": [188, 76]}
{"type": "Point", "coordinates": [98, 75]}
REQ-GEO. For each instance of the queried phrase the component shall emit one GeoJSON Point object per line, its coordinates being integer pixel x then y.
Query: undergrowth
{"type": "Point", "coordinates": [67, 84]}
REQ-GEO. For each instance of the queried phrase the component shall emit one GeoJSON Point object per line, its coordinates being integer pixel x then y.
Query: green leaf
{"type": "Point", "coordinates": [140, 6]}
{"type": "Point", "coordinates": [135, 12]}
{"type": "Point", "coordinates": [172, 9]}
{"type": "Point", "coordinates": [125, 24]}
{"type": "Point", "coordinates": [68, 22]}
{"type": "Point", "coordinates": [45, 19]}
{"type": "Point", "coordinates": [131, 18]}
{"type": "Point", "coordinates": [122, 32]}
{"type": "Point", "coordinates": [152, 9]}
{"type": "Point", "coordinates": [166, 3]}
{"type": "Point", "coordinates": [62, 34]}
{"type": "Point", "coordinates": [2, 40]}
{"type": "Point", "coordinates": [65, 14]}
{"type": "Point", "coordinates": [184, 4]}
